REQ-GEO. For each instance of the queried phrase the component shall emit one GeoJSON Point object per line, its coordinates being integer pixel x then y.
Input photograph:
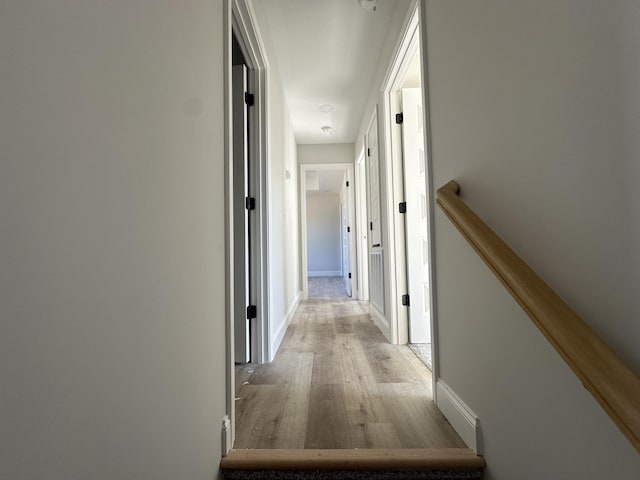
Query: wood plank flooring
{"type": "Point", "coordinates": [337, 383]}
{"type": "Point", "coordinates": [326, 287]}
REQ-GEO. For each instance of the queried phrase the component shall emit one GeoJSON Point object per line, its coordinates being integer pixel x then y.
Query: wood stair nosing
{"type": "Point", "coordinates": [355, 459]}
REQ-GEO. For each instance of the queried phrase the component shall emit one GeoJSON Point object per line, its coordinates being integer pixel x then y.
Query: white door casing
{"type": "Point", "coordinates": [373, 162]}
{"type": "Point", "coordinates": [348, 168]}
{"type": "Point", "coordinates": [361, 229]}
{"type": "Point", "coordinates": [240, 216]}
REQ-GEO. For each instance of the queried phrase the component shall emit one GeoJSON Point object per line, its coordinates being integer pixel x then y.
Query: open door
{"type": "Point", "coordinates": [361, 250]}
{"type": "Point", "coordinates": [242, 312]}
{"type": "Point", "coordinates": [376, 252]}
{"type": "Point", "coordinates": [417, 239]}
{"type": "Point", "coordinates": [346, 238]}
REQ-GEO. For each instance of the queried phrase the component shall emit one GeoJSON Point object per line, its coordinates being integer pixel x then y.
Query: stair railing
{"type": "Point", "coordinates": [613, 384]}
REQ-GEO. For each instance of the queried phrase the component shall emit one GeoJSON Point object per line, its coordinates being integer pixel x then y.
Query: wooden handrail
{"type": "Point", "coordinates": [613, 384]}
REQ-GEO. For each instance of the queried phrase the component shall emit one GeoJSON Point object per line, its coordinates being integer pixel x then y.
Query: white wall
{"type": "Point", "coordinates": [400, 13]}
{"type": "Point", "coordinates": [112, 339]}
{"type": "Point", "coordinates": [326, 153]}
{"type": "Point", "coordinates": [284, 229]}
{"type": "Point", "coordinates": [535, 109]}
{"type": "Point", "coordinates": [324, 241]}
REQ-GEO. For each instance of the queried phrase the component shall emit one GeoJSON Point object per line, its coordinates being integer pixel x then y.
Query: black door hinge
{"type": "Point", "coordinates": [399, 118]}
{"type": "Point", "coordinates": [405, 300]}
{"type": "Point", "coordinates": [371, 226]}
{"type": "Point", "coordinates": [368, 152]}
{"type": "Point", "coordinates": [402, 207]}
{"type": "Point", "coordinates": [347, 183]}
{"type": "Point", "coordinates": [250, 203]}
{"type": "Point", "coordinates": [349, 274]}
{"type": "Point", "coordinates": [348, 229]}
{"type": "Point", "coordinates": [252, 312]}
{"type": "Point", "coordinates": [249, 99]}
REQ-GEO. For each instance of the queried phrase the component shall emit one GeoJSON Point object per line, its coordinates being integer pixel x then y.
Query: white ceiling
{"type": "Point", "coordinates": [327, 53]}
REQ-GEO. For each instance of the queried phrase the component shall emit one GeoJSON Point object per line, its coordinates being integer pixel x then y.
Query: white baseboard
{"type": "Point", "coordinates": [460, 416]}
{"type": "Point", "coordinates": [277, 340]}
{"type": "Point", "coordinates": [380, 321]}
{"type": "Point", "coordinates": [327, 273]}
{"type": "Point", "coordinates": [293, 308]}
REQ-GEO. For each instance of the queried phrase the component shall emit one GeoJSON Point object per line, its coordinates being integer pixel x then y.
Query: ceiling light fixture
{"type": "Point", "coordinates": [368, 4]}
{"type": "Point", "coordinates": [327, 130]}
{"type": "Point", "coordinates": [326, 108]}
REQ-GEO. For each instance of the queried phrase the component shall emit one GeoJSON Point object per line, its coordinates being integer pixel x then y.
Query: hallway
{"type": "Point", "coordinates": [337, 383]}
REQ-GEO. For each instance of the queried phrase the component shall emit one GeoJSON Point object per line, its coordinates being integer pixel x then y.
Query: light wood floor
{"type": "Point", "coordinates": [337, 383]}
{"type": "Point", "coordinates": [326, 287]}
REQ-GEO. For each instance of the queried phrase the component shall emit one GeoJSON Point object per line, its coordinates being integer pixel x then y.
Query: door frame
{"type": "Point", "coordinates": [241, 217]}
{"type": "Point", "coordinates": [348, 167]}
{"type": "Point", "coordinates": [244, 25]}
{"type": "Point", "coordinates": [382, 313]}
{"type": "Point", "coordinates": [349, 233]}
{"type": "Point", "coordinates": [240, 14]}
{"type": "Point", "coordinates": [362, 242]}
{"type": "Point", "coordinates": [402, 57]}
{"type": "Point", "coordinates": [413, 37]}
{"type": "Point", "coordinates": [239, 19]}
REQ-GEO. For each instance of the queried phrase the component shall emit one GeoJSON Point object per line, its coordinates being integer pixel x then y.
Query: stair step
{"type": "Point", "coordinates": [342, 464]}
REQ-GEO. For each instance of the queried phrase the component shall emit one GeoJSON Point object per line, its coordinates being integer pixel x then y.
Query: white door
{"type": "Point", "coordinates": [416, 216]}
{"type": "Point", "coordinates": [346, 234]}
{"type": "Point", "coordinates": [240, 220]}
{"type": "Point", "coordinates": [361, 245]}
{"type": "Point", "coordinates": [373, 162]}
{"type": "Point", "coordinates": [376, 252]}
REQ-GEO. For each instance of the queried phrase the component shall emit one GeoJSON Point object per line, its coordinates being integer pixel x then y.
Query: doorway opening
{"type": "Point", "coordinates": [408, 149]}
{"type": "Point", "coordinates": [416, 213]}
{"type": "Point", "coordinates": [328, 231]}
{"type": "Point", "coordinates": [244, 311]}
{"type": "Point", "coordinates": [334, 382]}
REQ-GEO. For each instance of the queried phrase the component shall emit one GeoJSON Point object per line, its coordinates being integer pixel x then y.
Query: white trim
{"type": "Point", "coordinates": [379, 319]}
{"type": "Point", "coordinates": [348, 167]}
{"type": "Point", "coordinates": [228, 223]}
{"type": "Point", "coordinates": [406, 48]}
{"type": "Point", "coordinates": [431, 227]}
{"type": "Point", "coordinates": [352, 233]}
{"type": "Point", "coordinates": [227, 437]}
{"type": "Point", "coordinates": [413, 36]}
{"type": "Point", "coordinates": [245, 26]}
{"type": "Point", "coordinates": [302, 198]}
{"type": "Point", "coordinates": [460, 416]}
{"type": "Point", "coordinates": [277, 340]}
{"type": "Point", "coordinates": [240, 18]}
{"type": "Point", "coordinates": [362, 249]}
{"type": "Point", "coordinates": [323, 273]}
